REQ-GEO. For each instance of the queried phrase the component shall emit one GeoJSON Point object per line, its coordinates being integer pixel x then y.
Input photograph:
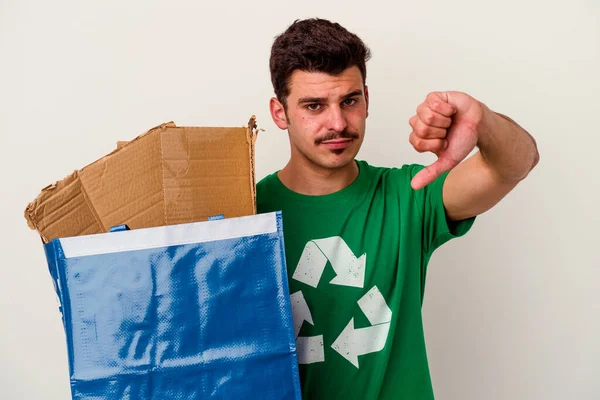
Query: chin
{"type": "Point", "coordinates": [337, 162]}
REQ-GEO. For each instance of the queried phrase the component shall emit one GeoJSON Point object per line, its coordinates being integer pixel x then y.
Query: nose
{"type": "Point", "coordinates": [336, 120]}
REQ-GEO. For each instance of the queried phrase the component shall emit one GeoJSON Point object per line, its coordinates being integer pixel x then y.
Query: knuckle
{"type": "Point", "coordinates": [411, 139]}
{"type": "Point", "coordinates": [412, 121]}
{"type": "Point", "coordinates": [429, 118]}
{"type": "Point", "coordinates": [420, 132]}
{"type": "Point", "coordinates": [415, 141]}
{"type": "Point", "coordinates": [420, 145]}
{"type": "Point", "coordinates": [428, 130]}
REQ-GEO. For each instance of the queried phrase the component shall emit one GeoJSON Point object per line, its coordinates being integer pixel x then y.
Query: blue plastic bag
{"type": "Point", "coordinates": [191, 311]}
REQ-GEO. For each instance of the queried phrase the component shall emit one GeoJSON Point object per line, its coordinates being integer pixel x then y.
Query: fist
{"type": "Point", "coordinates": [445, 124]}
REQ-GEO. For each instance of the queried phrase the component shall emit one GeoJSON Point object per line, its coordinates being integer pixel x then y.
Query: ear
{"type": "Point", "coordinates": [367, 98]}
{"type": "Point", "coordinates": [278, 113]}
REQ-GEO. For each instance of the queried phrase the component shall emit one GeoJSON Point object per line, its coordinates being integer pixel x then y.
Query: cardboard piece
{"type": "Point", "coordinates": [168, 175]}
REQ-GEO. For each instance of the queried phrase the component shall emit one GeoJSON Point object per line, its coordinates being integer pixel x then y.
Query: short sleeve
{"type": "Point", "coordinates": [437, 227]}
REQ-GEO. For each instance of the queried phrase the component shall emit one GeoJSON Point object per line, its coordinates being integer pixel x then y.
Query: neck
{"type": "Point", "coordinates": [309, 179]}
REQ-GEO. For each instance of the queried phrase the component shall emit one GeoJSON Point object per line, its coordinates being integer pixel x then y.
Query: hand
{"type": "Point", "coordinates": [446, 124]}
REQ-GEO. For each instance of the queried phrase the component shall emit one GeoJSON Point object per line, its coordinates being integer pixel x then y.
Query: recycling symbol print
{"type": "Point", "coordinates": [350, 271]}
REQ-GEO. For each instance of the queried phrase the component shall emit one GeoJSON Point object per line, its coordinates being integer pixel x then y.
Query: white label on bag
{"type": "Point", "coordinates": [172, 235]}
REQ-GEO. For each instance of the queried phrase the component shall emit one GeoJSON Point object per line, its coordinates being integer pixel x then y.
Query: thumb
{"type": "Point", "coordinates": [431, 173]}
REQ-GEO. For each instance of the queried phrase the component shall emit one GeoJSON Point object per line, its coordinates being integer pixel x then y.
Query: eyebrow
{"type": "Point", "coordinates": [305, 100]}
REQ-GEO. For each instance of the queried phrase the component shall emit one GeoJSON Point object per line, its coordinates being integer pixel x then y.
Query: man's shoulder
{"type": "Point", "coordinates": [267, 182]}
{"type": "Point", "coordinates": [266, 191]}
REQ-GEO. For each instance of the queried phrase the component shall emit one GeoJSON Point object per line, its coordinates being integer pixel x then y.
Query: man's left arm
{"type": "Point", "coordinates": [451, 125]}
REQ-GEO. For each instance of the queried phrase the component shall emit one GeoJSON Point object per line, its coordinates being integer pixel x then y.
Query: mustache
{"type": "Point", "coordinates": [345, 134]}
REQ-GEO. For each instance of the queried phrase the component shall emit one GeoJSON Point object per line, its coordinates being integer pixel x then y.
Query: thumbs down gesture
{"type": "Point", "coordinates": [445, 124]}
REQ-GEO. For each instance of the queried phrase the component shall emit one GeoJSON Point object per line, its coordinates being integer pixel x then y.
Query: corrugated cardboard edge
{"type": "Point", "coordinates": [162, 174]}
{"type": "Point", "coordinates": [45, 193]}
{"type": "Point", "coordinates": [251, 136]}
{"type": "Point", "coordinates": [30, 210]}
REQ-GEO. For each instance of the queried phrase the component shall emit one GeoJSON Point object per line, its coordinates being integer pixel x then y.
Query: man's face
{"type": "Point", "coordinates": [325, 117]}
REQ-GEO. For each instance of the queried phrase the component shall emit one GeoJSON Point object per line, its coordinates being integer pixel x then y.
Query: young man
{"type": "Point", "coordinates": [358, 238]}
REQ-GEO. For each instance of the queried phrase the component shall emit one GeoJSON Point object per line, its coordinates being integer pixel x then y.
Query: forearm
{"type": "Point", "coordinates": [506, 147]}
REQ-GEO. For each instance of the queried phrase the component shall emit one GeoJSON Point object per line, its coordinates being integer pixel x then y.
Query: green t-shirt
{"type": "Point", "coordinates": [356, 262]}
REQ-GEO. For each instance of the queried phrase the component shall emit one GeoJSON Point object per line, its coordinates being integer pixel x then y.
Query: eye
{"type": "Point", "coordinates": [349, 102]}
{"type": "Point", "coordinates": [313, 106]}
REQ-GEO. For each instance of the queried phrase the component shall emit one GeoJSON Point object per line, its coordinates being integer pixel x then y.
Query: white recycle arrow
{"type": "Point", "coordinates": [352, 343]}
{"type": "Point", "coordinates": [300, 311]}
{"type": "Point", "coordinates": [350, 270]}
{"type": "Point", "coordinates": [310, 349]}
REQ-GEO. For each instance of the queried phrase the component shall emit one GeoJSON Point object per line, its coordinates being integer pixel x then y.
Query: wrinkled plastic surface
{"type": "Point", "coordinates": [195, 321]}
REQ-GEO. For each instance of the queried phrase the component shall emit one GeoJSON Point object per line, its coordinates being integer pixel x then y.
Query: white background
{"type": "Point", "coordinates": [512, 310]}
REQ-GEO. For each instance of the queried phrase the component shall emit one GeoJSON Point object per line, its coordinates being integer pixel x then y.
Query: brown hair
{"type": "Point", "coordinates": [315, 45]}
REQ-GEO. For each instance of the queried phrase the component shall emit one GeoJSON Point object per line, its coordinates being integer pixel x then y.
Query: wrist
{"type": "Point", "coordinates": [485, 129]}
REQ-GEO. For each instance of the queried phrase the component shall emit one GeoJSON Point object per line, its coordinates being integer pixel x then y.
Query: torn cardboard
{"type": "Point", "coordinates": [168, 175]}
